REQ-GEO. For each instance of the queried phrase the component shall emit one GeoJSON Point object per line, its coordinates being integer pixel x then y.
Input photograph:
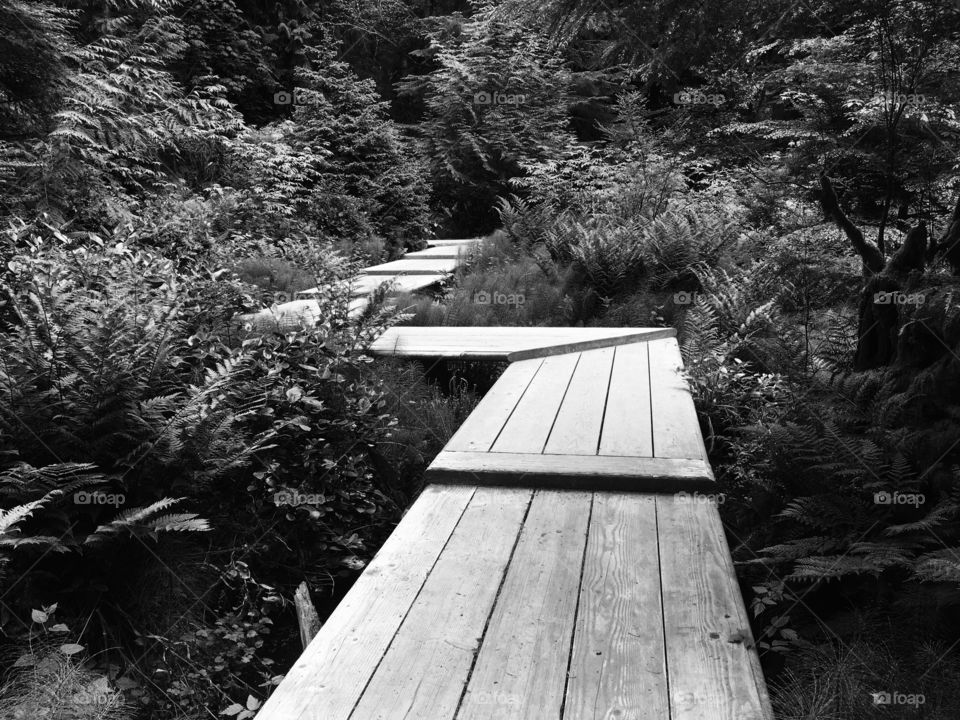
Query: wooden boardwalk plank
{"type": "Point", "coordinates": [618, 668]}
{"type": "Point", "coordinates": [627, 426]}
{"type": "Point", "coordinates": [363, 285]}
{"type": "Point", "coordinates": [501, 343]}
{"type": "Point", "coordinates": [413, 267]}
{"type": "Point", "coordinates": [366, 284]}
{"type": "Point", "coordinates": [714, 670]}
{"type": "Point", "coordinates": [577, 344]}
{"type": "Point", "coordinates": [676, 430]}
{"type": "Point", "coordinates": [521, 668]}
{"type": "Point", "coordinates": [595, 472]}
{"type": "Point", "coordinates": [458, 251]}
{"type": "Point", "coordinates": [576, 430]}
{"type": "Point", "coordinates": [328, 678]}
{"type": "Point", "coordinates": [528, 427]}
{"type": "Point", "coordinates": [454, 242]}
{"type": "Point", "coordinates": [481, 428]}
{"type": "Point", "coordinates": [426, 667]}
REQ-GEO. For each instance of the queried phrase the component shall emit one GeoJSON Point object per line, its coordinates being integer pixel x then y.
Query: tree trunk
{"type": "Point", "coordinates": [868, 252]}
{"type": "Point", "coordinates": [878, 325]}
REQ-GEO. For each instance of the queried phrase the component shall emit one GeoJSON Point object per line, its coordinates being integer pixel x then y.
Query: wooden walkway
{"type": "Point", "coordinates": [500, 597]}
{"type": "Point", "coordinates": [415, 271]}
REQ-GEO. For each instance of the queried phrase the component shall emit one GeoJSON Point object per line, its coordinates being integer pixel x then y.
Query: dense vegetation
{"type": "Point", "coordinates": [778, 181]}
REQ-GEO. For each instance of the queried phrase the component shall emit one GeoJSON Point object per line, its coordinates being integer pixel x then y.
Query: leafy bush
{"type": "Point", "coordinates": [126, 385]}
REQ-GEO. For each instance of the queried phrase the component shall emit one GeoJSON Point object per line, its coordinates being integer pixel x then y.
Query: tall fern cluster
{"type": "Point", "coordinates": [494, 104]}
{"type": "Point", "coordinates": [134, 408]}
{"type": "Point", "coordinates": [620, 217]}
{"type": "Point", "coordinates": [835, 479]}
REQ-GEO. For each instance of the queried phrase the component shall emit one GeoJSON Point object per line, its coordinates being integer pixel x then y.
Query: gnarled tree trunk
{"type": "Point", "coordinates": [880, 307]}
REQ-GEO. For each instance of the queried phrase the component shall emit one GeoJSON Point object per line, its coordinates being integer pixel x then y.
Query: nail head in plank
{"type": "Point", "coordinates": [627, 427]}
{"type": "Point", "coordinates": [528, 427]}
{"type": "Point", "coordinates": [329, 677]}
{"type": "Point", "coordinates": [618, 668]}
{"type": "Point", "coordinates": [595, 472]}
{"type": "Point", "coordinates": [483, 425]}
{"type": "Point", "coordinates": [423, 673]}
{"type": "Point", "coordinates": [576, 431]}
{"type": "Point", "coordinates": [714, 669]}
{"type": "Point", "coordinates": [521, 667]}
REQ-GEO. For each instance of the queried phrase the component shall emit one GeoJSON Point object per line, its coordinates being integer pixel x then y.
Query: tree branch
{"type": "Point", "coordinates": [872, 259]}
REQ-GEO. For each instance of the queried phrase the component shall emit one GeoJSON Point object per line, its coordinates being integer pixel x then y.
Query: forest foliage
{"type": "Point", "coordinates": [778, 181]}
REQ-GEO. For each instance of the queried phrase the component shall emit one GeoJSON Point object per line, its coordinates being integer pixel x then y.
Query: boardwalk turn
{"type": "Point", "coordinates": [504, 343]}
{"type": "Point", "coordinates": [616, 418]}
{"type": "Point", "coordinates": [534, 603]}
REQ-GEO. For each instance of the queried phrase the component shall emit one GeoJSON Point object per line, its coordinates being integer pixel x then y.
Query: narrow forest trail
{"type": "Point", "coordinates": [566, 560]}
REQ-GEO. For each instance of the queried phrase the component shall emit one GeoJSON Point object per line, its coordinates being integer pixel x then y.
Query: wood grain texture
{"type": "Point", "coordinates": [714, 670]}
{"type": "Point", "coordinates": [327, 680]}
{"type": "Point", "coordinates": [576, 430]}
{"type": "Point", "coordinates": [527, 429]}
{"type": "Point", "coordinates": [481, 428]}
{"type": "Point", "coordinates": [676, 430]}
{"type": "Point", "coordinates": [618, 668]}
{"type": "Point", "coordinates": [594, 472]}
{"type": "Point", "coordinates": [424, 671]}
{"type": "Point", "coordinates": [627, 425]}
{"type": "Point", "coordinates": [521, 668]}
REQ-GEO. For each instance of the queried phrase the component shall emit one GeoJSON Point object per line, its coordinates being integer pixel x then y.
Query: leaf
{"type": "Point", "coordinates": [252, 703]}
{"type": "Point", "coordinates": [71, 649]}
{"type": "Point", "coordinates": [126, 683]}
{"type": "Point", "coordinates": [59, 628]}
{"type": "Point", "coordinates": [39, 616]}
{"type": "Point", "coordinates": [232, 710]}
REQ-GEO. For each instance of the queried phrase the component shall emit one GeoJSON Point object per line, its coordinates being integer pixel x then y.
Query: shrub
{"type": "Point", "coordinates": [123, 376]}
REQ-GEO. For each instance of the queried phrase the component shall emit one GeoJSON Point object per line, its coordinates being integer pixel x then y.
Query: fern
{"type": "Point", "coordinates": [145, 521]}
